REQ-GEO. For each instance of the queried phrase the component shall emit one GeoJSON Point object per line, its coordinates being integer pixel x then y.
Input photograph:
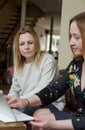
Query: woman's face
{"type": "Point", "coordinates": [27, 46]}
{"type": "Point", "coordinates": [75, 40]}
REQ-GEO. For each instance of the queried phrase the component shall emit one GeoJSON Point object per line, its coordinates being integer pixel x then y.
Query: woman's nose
{"type": "Point", "coordinates": [71, 42]}
{"type": "Point", "coordinates": [26, 46]}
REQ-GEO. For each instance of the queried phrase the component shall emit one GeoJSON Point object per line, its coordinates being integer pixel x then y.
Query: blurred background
{"type": "Point", "coordinates": [49, 18]}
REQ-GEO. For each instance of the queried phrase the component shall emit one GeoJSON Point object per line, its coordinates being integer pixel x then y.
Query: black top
{"type": "Point", "coordinates": [71, 78]}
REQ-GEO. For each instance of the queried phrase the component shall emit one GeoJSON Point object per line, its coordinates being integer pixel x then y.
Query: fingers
{"type": "Point", "coordinates": [15, 102]}
{"type": "Point", "coordinates": [7, 97]}
{"type": "Point", "coordinates": [12, 101]}
{"type": "Point", "coordinates": [36, 122]}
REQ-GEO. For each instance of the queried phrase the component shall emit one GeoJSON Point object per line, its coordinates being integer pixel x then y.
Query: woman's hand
{"type": "Point", "coordinates": [42, 124]}
{"type": "Point", "coordinates": [16, 102]}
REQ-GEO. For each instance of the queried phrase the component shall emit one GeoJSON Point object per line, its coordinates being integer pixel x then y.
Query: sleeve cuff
{"type": "Point", "coordinates": [79, 123]}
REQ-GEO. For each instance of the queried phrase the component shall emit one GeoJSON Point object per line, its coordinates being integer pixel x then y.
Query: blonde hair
{"type": "Point", "coordinates": [19, 60]}
{"type": "Point", "coordinates": [80, 21]}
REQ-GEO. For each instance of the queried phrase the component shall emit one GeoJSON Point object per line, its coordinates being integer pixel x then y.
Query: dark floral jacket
{"type": "Point", "coordinates": [71, 79]}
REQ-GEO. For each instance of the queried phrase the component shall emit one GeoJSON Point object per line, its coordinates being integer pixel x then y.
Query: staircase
{"type": "Point", "coordinates": [10, 29]}
{"type": "Point", "coordinates": [32, 15]}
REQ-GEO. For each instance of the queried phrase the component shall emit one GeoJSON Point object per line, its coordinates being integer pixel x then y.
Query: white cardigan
{"type": "Point", "coordinates": [34, 79]}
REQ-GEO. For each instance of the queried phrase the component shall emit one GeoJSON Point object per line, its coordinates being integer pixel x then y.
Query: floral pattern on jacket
{"type": "Point", "coordinates": [71, 78]}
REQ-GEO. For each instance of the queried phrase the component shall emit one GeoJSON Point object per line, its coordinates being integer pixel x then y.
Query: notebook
{"type": "Point", "coordinates": [10, 115]}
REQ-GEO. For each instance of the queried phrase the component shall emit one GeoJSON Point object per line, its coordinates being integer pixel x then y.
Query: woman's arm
{"type": "Point", "coordinates": [47, 95]}
{"type": "Point", "coordinates": [16, 102]}
{"type": "Point", "coordinates": [52, 124]}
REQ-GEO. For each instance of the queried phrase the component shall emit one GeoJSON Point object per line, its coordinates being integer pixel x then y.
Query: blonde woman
{"type": "Point", "coordinates": [33, 69]}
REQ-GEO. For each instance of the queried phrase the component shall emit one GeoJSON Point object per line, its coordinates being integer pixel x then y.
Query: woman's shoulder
{"type": "Point", "coordinates": [49, 57]}
{"type": "Point", "coordinates": [76, 61]}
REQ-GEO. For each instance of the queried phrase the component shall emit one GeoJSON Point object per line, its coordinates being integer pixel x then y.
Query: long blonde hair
{"type": "Point", "coordinates": [19, 60]}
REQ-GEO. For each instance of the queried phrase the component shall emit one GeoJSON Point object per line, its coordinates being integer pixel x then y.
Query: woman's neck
{"type": "Point", "coordinates": [29, 60]}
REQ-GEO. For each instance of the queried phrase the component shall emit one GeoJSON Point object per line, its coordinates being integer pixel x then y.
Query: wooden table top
{"type": "Point", "coordinates": [12, 126]}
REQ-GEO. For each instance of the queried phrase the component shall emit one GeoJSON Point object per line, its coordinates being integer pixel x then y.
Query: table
{"type": "Point", "coordinates": [12, 126]}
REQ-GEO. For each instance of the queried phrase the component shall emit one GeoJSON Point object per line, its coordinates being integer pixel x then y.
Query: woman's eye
{"type": "Point", "coordinates": [21, 44]}
{"type": "Point", "coordinates": [77, 38]}
{"type": "Point", "coordinates": [30, 42]}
